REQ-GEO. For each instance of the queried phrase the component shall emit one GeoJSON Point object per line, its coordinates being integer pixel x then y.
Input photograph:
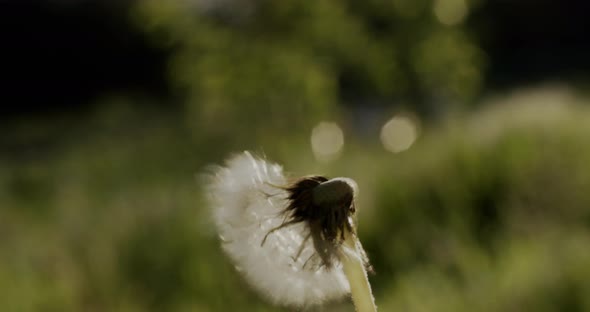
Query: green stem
{"type": "Point", "coordinates": [355, 272]}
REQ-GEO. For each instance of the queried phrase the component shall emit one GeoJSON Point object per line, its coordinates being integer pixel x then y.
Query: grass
{"type": "Point", "coordinates": [486, 213]}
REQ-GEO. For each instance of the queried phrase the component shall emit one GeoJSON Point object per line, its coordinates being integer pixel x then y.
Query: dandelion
{"type": "Point", "coordinates": [294, 242]}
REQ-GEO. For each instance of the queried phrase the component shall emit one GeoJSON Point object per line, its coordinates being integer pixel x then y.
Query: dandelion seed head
{"type": "Point", "coordinates": [280, 262]}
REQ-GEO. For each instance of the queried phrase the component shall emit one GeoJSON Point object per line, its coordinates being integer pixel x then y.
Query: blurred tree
{"type": "Point", "coordinates": [287, 64]}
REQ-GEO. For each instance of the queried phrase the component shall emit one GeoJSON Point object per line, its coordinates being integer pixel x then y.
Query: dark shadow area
{"type": "Point", "coordinates": [62, 55]}
{"type": "Point", "coordinates": [528, 42]}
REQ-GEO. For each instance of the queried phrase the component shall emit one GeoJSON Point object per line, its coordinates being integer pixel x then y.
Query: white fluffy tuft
{"type": "Point", "coordinates": [246, 206]}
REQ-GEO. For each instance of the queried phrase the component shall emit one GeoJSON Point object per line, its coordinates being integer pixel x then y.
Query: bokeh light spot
{"type": "Point", "coordinates": [399, 133]}
{"type": "Point", "coordinates": [327, 140]}
{"type": "Point", "coordinates": [450, 12]}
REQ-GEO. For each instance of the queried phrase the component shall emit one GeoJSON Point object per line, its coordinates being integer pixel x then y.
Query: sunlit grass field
{"type": "Point", "coordinates": [487, 211]}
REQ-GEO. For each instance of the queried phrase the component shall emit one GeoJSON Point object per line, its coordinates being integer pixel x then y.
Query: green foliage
{"type": "Point", "coordinates": [488, 213]}
{"type": "Point", "coordinates": [488, 220]}
{"type": "Point", "coordinates": [287, 64]}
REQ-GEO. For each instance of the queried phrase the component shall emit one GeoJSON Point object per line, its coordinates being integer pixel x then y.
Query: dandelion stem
{"type": "Point", "coordinates": [355, 272]}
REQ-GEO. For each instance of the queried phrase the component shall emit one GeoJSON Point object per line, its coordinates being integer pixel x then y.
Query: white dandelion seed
{"type": "Point", "coordinates": [295, 243]}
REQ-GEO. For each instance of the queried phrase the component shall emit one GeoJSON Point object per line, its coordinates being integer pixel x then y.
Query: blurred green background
{"type": "Point", "coordinates": [464, 122]}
